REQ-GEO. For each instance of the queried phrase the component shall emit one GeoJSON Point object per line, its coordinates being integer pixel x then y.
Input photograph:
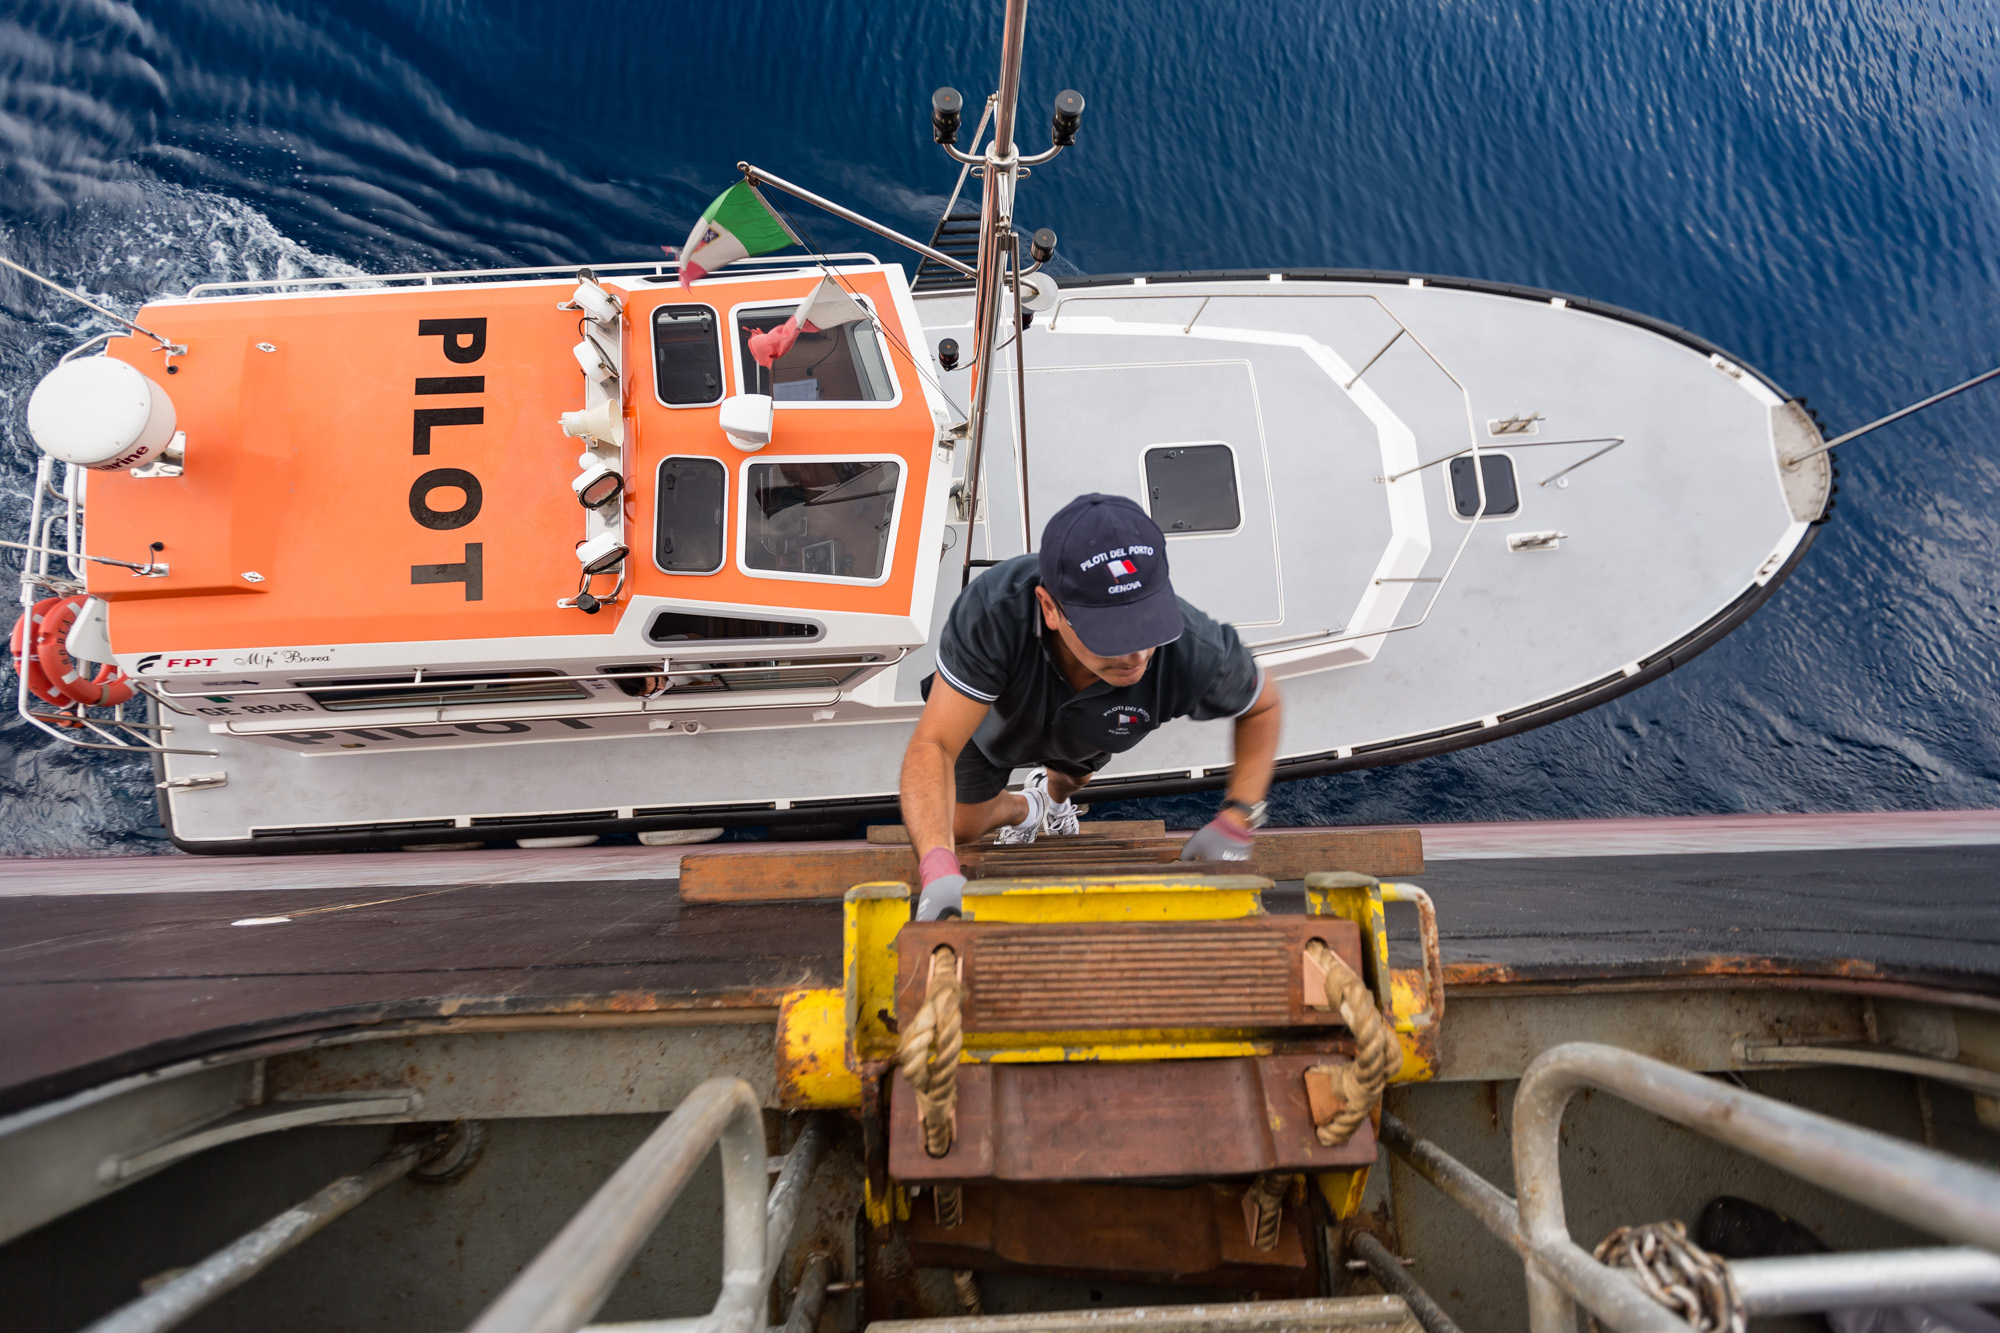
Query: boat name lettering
{"type": "Point", "coordinates": [463, 341]}
{"type": "Point", "coordinates": [281, 657]}
{"type": "Point", "coordinates": [442, 731]}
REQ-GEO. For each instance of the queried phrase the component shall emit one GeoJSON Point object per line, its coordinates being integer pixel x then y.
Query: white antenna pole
{"type": "Point", "coordinates": [996, 247]}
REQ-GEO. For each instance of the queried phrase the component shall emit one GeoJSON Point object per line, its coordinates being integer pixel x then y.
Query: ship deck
{"type": "Point", "coordinates": [115, 967]}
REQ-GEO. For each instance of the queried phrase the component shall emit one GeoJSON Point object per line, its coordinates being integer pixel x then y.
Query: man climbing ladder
{"type": "Point", "coordinates": [1058, 661]}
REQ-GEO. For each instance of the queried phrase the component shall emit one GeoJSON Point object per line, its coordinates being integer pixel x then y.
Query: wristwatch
{"type": "Point", "coordinates": [1253, 812]}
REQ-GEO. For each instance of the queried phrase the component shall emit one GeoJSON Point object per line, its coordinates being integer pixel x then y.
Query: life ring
{"type": "Point", "coordinates": [27, 661]}
{"type": "Point", "coordinates": [106, 689]}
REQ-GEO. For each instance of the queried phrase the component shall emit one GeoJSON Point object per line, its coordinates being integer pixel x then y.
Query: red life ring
{"type": "Point", "coordinates": [27, 661]}
{"type": "Point", "coordinates": [104, 690]}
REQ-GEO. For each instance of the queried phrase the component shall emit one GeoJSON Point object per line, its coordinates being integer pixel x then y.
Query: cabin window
{"type": "Point", "coordinates": [687, 532]}
{"type": "Point", "coordinates": [1503, 494]}
{"type": "Point", "coordinates": [433, 691]}
{"type": "Point", "coordinates": [840, 365]}
{"type": "Point", "coordinates": [827, 518]}
{"type": "Point", "coordinates": [1192, 488]}
{"type": "Point", "coordinates": [687, 355]}
{"type": "Point", "coordinates": [694, 626]}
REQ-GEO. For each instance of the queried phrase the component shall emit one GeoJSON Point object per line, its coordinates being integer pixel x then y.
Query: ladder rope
{"type": "Point", "coordinates": [929, 1049]}
{"type": "Point", "coordinates": [1375, 1051]}
{"type": "Point", "coordinates": [1266, 1198]}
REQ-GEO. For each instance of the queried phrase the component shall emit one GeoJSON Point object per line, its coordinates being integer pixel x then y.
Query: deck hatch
{"type": "Point", "coordinates": [689, 504]}
{"type": "Point", "coordinates": [372, 692]}
{"type": "Point", "coordinates": [1192, 488]}
{"type": "Point", "coordinates": [687, 355]}
{"type": "Point", "coordinates": [1503, 493]}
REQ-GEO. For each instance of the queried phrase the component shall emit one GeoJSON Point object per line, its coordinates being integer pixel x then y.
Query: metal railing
{"type": "Point", "coordinates": [677, 702]}
{"type": "Point", "coordinates": [114, 728]}
{"type": "Point", "coordinates": [234, 1264]}
{"type": "Point", "coordinates": [1923, 1188]}
{"type": "Point", "coordinates": [430, 278]}
{"type": "Point", "coordinates": [1473, 447]}
{"type": "Point", "coordinates": [570, 1280]}
{"type": "Point", "coordinates": [690, 667]}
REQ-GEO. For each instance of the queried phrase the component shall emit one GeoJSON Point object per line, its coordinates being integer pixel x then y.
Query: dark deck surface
{"type": "Point", "coordinates": [95, 986]}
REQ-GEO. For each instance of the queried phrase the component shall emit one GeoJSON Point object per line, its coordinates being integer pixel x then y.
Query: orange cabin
{"type": "Point", "coordinates": [386, 467]}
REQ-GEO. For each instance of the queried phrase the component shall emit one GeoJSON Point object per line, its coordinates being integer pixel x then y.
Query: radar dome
{"type": "Point", "coordinates": [99, 412]}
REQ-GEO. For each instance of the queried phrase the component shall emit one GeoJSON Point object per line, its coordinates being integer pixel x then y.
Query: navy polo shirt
{"type": "Point", "coordinates": [995, 649]}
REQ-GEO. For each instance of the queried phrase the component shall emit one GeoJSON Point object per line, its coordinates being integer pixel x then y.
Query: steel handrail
{"type": "Point", "coordinates": [35, 574]}
{"type": "Point", "coordinates": [692, 667]}
{"type": "Point", "coordinates": [1814, 1283]}
{"type": "Point", "coordinates": [1605, 1292]}
{"type": "Point", "coordinates": [1923, 1188]}
{"type": "Point", "coordinates": [570, 1280]}
{"type": "Point", "coordinates": [550, 270]}
{"type": "Point", "coordinates": [1787, 1285]}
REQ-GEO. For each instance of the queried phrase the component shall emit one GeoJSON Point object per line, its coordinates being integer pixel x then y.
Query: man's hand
{"type": "Point", "coordinates": [943, 886]}
{"type": "Point", "coordinates": [1224, 839]}
{"type": "Point", "coordinates": [1228, 836]}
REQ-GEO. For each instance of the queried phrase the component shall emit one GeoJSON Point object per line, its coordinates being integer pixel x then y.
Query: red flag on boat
{"type": "Point", "coordinates": [828, 307]}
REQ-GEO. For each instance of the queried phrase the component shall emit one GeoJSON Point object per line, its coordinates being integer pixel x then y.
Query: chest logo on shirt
{"type": "Point", "coordinates": [1124, 717]}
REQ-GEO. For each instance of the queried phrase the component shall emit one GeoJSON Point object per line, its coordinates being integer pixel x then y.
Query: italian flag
{"type": "Point", "coordinates": [737, 225]}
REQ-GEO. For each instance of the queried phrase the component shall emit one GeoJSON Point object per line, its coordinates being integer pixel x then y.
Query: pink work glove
{"type": "Point", "coordinates": [943, 885]}
{"type": "Point", "coordinates": [1219, 841]}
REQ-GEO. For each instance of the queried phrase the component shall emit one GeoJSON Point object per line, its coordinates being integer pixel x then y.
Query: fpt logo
{"type": "Point", "coordinates": [160, 661]}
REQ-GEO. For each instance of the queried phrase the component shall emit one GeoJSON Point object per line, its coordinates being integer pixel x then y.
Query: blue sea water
{"type": "Point", "coordinates": [1814, 185]}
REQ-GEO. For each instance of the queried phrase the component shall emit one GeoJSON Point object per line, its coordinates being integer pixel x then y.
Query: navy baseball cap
{"type": "Point", "coordinates": [1104, 560]}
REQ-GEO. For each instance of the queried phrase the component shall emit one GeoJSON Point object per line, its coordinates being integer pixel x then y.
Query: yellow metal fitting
{"type": "Point", "coordinates": [1162, 897]}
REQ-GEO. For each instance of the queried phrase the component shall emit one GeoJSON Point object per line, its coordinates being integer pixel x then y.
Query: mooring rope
{"type": "Point", "coordinates": [929, 1049]}
{"type": "Point", "coordinates": [1360, 1082]}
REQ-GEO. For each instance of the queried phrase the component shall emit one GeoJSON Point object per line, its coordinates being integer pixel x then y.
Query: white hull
{"type": "Point", "coordinates": [1397, 628]}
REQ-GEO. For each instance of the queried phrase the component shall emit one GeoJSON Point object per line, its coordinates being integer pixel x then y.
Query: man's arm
{"type": "Point", "coordinates": [1228, 837]}
{"type": "Point", "coordinates": [929, 789]}
{"type": "Point", "coordinates": [1256, 753]}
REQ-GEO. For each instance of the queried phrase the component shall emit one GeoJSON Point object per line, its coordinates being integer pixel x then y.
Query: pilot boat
{"type": "Point", "coordinates": [425, 558]}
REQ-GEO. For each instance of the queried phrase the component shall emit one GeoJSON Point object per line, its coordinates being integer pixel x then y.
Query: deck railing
{"type": "Point", "coordinates": [1926, 1189]}
{"type": "Point", "coordinates": [649, 267]}
{"type": "Point", "coordinates": [570, 1280]}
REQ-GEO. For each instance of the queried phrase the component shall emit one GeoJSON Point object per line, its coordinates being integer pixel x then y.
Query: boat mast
{"type": "Point", "coordinates": [999, 245]}
{"type": "Point", "coordinates": [996, 229]}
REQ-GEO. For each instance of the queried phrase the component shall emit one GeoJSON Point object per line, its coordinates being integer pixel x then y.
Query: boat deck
{"type": "Point", "coordinates": [118, 966]}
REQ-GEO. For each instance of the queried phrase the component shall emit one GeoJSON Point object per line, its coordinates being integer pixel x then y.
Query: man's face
{"type": "Point", "coordinates": [1121, 671]}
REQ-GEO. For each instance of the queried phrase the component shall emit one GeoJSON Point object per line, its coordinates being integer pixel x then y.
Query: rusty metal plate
{"type": "Point", "coordinates": [1113, 976]}
{"type": "Point", "coordinates": [1189, 1236]}
{"type": "Point", "coordinates": [1116, 1120]}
